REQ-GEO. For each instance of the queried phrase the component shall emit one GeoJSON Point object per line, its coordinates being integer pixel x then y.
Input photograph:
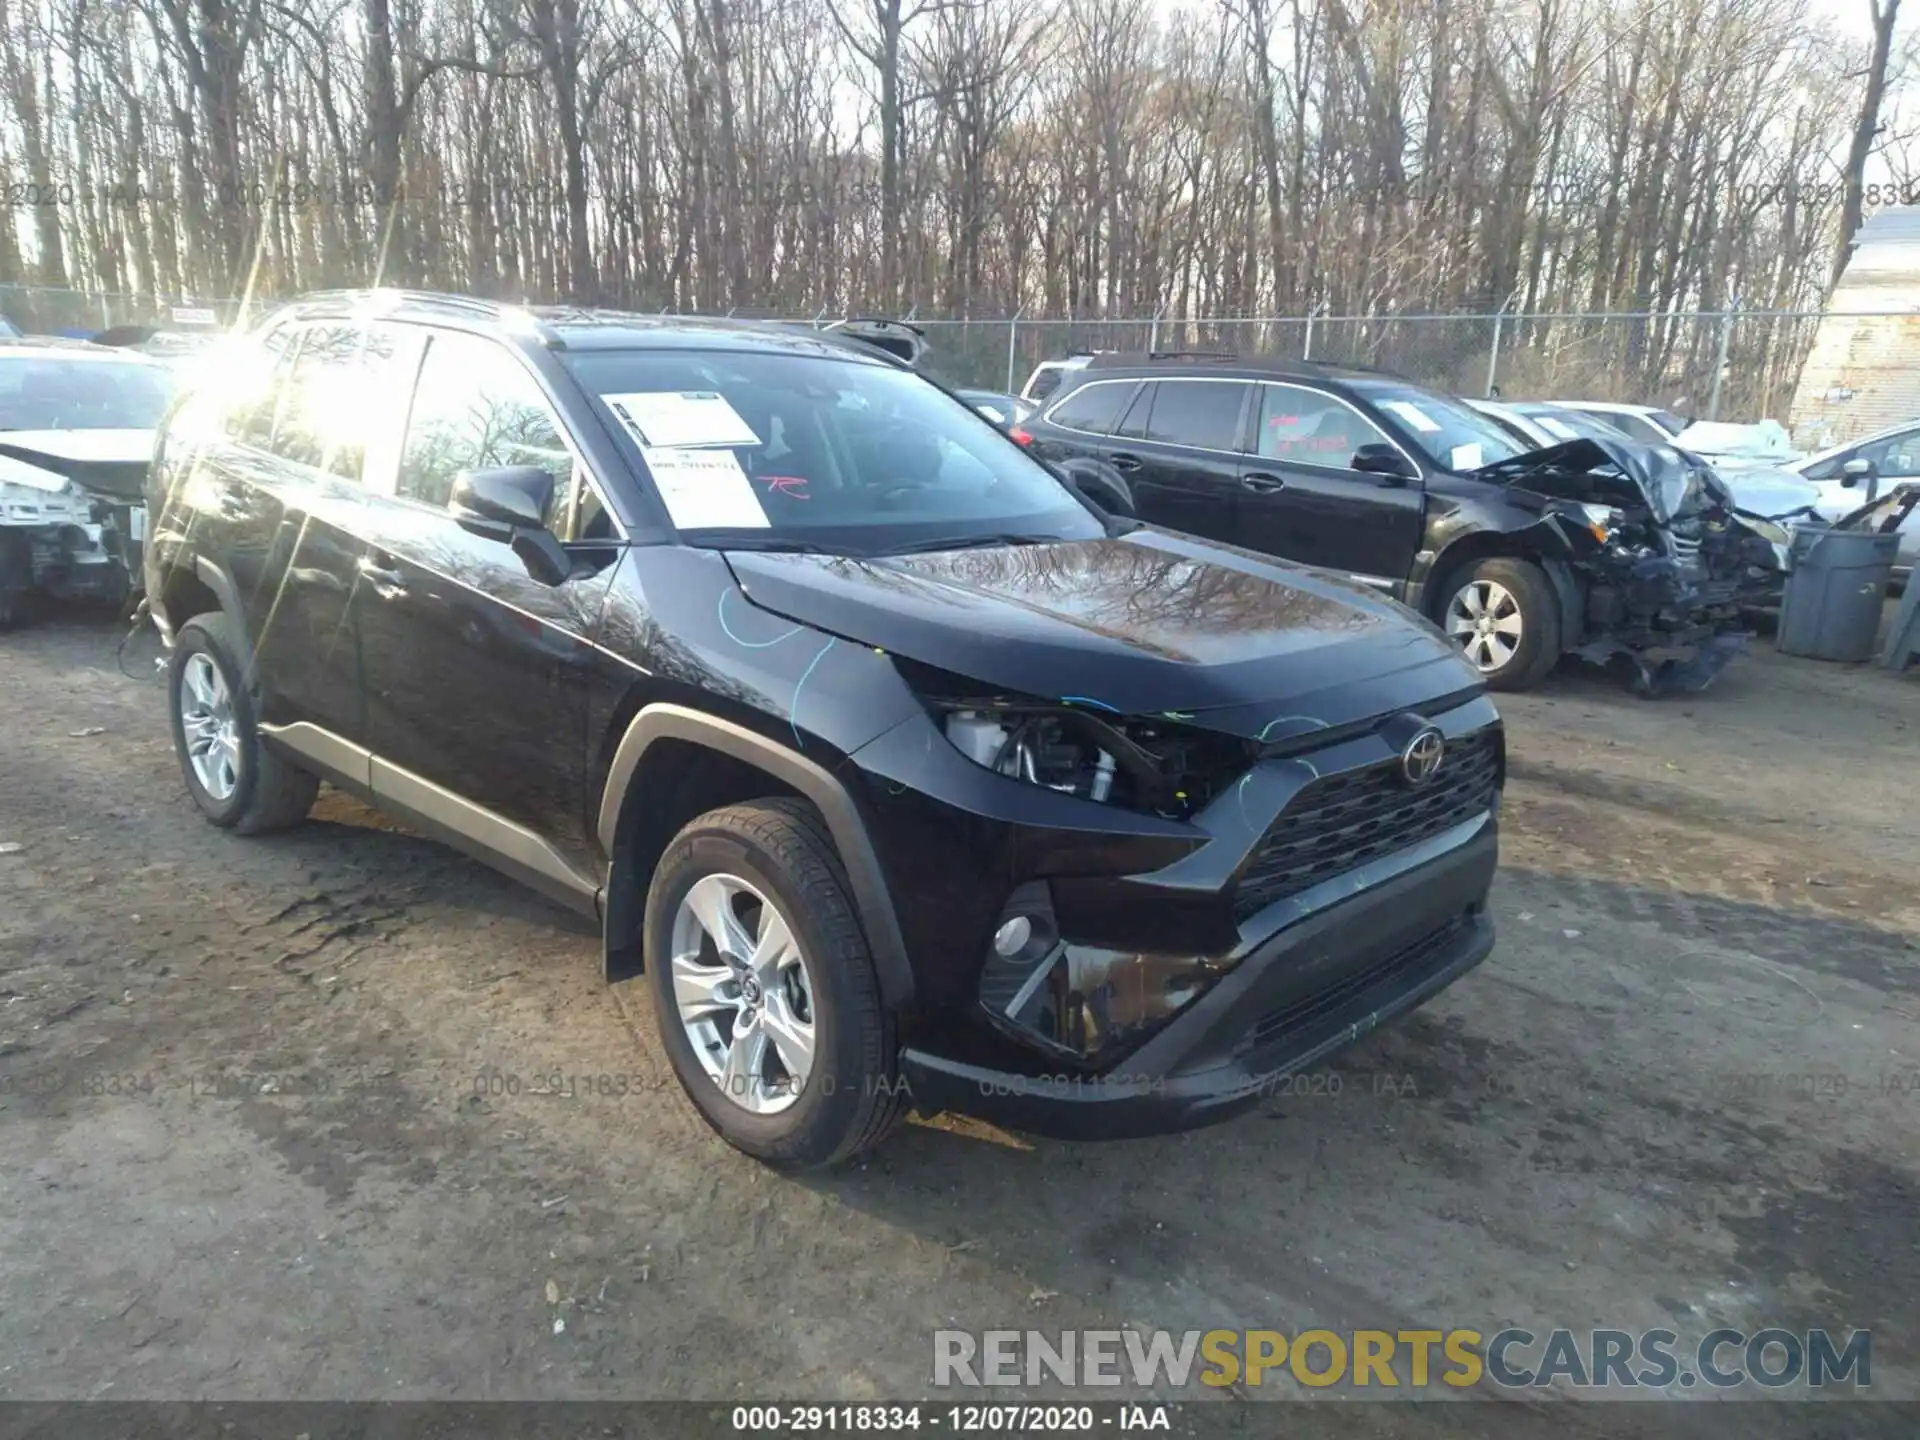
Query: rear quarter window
{"type": "Point", "coordinates": [1095, 407]}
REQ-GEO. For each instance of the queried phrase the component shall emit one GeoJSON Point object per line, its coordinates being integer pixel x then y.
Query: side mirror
{"type": "Point", "coordinates": [1856, 470]}
{"type": "Point", "coordinates": [1384, 460]}
{"type": "Point", "coordinates": [510, 503]}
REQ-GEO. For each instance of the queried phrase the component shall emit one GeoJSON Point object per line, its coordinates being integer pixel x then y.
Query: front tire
{"type": "Point", "coordinates": [236, 782]}
{"type": "Point", "coordinates": [765, 991]}
{"type": "Point", "coordinates": [1503, 616]}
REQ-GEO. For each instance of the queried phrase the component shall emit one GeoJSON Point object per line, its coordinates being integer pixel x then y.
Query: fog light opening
{"type": "Point", "coordinates": [1025, 944]}
{"type": "Point", "coordinates": [1011, 938]}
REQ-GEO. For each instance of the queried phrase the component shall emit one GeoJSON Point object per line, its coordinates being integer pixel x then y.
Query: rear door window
{"type": "Point", "coordinates": [343, 397]}
{"type": "Point", "coordinates": [1202, 413]}
{"type": "Point", "coordinates": [256, 384]}
{"type": "Point", "coordinates": [1133, 425]}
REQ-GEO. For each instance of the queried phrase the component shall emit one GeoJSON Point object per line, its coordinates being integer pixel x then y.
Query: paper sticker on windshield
{"type": "Point", "coordinates": [1466, 457]}
{"type": "Point", "coordinates": [680, 418]}
{"type": "Point", "coordinates": [1412, 414]}
{"type": "Point", "coordinates": [705, 489]}
{"type": "Point", "coordinates": [1559, 429]}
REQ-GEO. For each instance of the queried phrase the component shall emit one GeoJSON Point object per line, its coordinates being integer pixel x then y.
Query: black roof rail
{"type": "Point", "coordinates": [1192, 355]}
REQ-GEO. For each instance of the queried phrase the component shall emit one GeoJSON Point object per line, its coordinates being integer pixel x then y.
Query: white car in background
{"type": "Point", "coordinates": [76, 436]}
{"type": "Point", "coordinates": [1049, 375]}
{"type": "Point", "coordinates": [1648, 424]}
{"type": "Point", "coordinates": [1765, 491]}
{"type": "Point", "coordinates": [1850, 475]}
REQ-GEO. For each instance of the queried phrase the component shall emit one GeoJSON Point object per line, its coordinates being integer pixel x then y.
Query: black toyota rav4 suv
{"type": "Point", "coordinates": [900, 774]}
{"type": "Point", "coordinates": [1601, 548]}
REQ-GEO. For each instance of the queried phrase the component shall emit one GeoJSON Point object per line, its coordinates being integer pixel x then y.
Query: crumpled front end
{"type": "Point", "coordinates": [61, 542]}
{"type": "Point", "coordinates": [1672, 569]}
{"type": "Point", "coordinates": [1677, 621]}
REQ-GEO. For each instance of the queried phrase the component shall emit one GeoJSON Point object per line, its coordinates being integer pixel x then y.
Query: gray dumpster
{"type": "Point", "coordinates": [1835, 587]}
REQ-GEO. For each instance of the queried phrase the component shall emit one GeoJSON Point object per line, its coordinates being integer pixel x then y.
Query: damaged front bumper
{"type": "Point", "coordinates": [67, 547]}
{"type": "Point", "coordinates": [1678, 619]}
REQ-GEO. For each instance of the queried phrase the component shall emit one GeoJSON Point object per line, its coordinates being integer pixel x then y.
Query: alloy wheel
{"type": "Point", "coordinates": [744, 994]}
{"type": "Point", "coordinates": [1483, 619]}
{"type": "Point", "coordinates": [207, 722]}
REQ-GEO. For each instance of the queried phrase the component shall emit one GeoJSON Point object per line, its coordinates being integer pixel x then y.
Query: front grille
{"type": "Point", "coordinates": [1686, 551]}
{"type": "Point", "coordinates": [1343, 821]}
{"type": "Point", "coordinates": [1308, 1008]}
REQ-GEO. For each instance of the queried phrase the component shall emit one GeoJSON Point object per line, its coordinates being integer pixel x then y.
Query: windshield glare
{"type": "Point", "coordinates": [1451, 435]}
{"type": "Point", "coordinates": [60, 393]}
{"type": "Point", "coordinates": [839, 453]}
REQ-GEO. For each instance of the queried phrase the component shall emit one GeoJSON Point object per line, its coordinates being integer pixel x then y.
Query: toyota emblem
{"type": "Point", "coordinates": [1421, 760]}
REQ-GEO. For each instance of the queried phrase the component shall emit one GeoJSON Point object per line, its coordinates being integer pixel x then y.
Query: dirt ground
{"type": "Point", "coordinates": [1701, 901]}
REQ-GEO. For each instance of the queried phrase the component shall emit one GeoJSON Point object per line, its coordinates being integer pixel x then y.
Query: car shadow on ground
{"type": "Point", "coordinates": [424, 869]}
{"type": "Point", "coordinates": [1695, 1155]}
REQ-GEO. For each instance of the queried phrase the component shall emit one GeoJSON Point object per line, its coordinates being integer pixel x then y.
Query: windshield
{"type": "Point", "coordinates": [1451, 435]}
{"type": "Point", "coordinates": [1565, 425]}
{"type": "Point", "coordinates": [43, 392]}
{"type": "Point", "coordinates": [753, 448]}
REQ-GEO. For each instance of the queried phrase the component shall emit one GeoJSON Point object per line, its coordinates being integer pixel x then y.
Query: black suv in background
{"type": "Point", "coordinates": [1595, 548]}
{"type": "Point", "coordinates": [901, 774]}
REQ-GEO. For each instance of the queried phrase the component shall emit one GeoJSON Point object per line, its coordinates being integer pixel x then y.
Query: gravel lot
{"type": "Point", "coordinates": [1701, 900]}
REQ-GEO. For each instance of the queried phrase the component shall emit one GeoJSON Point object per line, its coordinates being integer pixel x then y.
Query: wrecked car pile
{"type": "Point", "coordinates": [1669, 566]}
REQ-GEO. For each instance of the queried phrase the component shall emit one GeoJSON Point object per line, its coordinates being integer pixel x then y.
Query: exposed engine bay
{"type": "Point", "coordinates": [71, 525]}
{"type": "Point", "coordinates": [1670, 569]}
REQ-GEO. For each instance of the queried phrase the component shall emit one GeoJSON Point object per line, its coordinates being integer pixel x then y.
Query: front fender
{"type": "Point", "coordinates": [878, 918]}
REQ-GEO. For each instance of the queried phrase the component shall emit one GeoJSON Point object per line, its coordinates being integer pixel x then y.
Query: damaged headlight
{"type": "Point", "coordinates": [1155, 764]}
{"type": "Point", "coordinates": [1602, 520]}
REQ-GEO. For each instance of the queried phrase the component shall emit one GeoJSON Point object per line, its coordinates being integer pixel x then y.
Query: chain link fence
{"type": "Point", "coordinates": [54, 310]}
{"type": "Point", "coordinates": [1739, 365]}
{"type": "Point", "coordinates": [1715, 364]}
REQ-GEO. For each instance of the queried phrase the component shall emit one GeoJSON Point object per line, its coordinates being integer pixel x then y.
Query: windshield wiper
{"type": "Point", "coordinates": [968, 542]}
{"type": "Point", "coordinates": [776, 545]}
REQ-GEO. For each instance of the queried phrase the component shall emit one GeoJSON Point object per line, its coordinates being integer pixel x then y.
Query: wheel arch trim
{"type": "Point", "coordinates": [871, 897]}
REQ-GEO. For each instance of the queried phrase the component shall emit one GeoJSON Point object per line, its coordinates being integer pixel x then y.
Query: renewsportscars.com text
{"type": "Point", "coordinates": [1405, 1359]}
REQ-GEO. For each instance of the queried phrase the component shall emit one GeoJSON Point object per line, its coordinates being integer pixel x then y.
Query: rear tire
{"type": "Point", "coordinates": [236, 782]}
{"type": "Point", "coordinates": [731, 1026]}
{"type": "Point", "coordinates": [1503, 615]}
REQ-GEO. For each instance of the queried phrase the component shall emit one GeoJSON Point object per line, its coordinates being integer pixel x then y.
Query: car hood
{"type": "Point", "coordinates": [1764, 442]}
{"type": "Point", "coordinates": [1666, 480]}
{"type": "Point", "coordinates": [113, 462]}
{"type": "Point", "coordinates": [1584, 472]}
{"type": "Point", "coordinates": [1144, 624]}
{"type": "Point", "coordinates": [1768, 491]}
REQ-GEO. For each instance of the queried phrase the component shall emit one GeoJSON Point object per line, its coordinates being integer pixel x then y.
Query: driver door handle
{"type": "Point", "coordinates": [387, 584]}
{"type": "Point", "coordinates": [1262, 483]}
{"type": "Point", "coordinates": [1123, 461]}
